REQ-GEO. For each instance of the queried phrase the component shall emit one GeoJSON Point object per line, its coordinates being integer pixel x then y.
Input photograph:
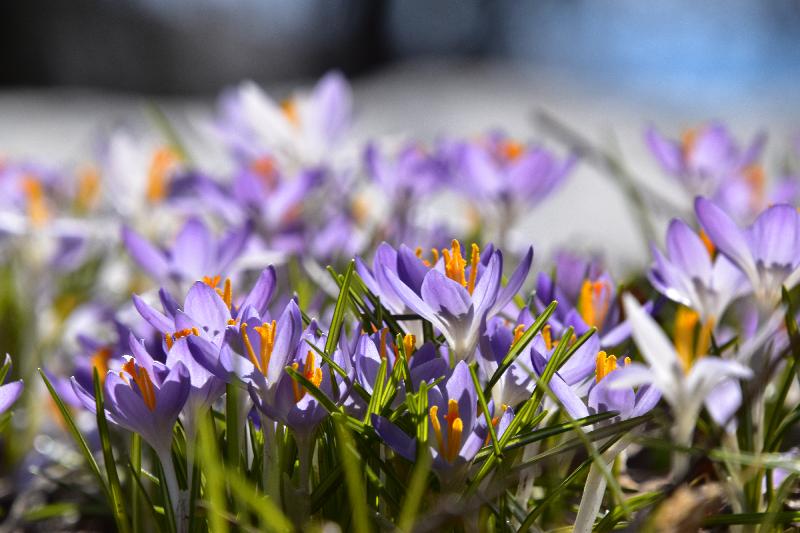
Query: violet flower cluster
{"type": "Point", "coordinates": [433, 376]}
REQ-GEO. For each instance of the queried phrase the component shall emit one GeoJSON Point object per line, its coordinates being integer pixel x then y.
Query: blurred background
{"type": "Point", "coordinates": [69, 70]}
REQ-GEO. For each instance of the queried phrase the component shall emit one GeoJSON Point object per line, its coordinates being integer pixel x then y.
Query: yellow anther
{"type": "Point", "coordinates": [100, 360]}
{"type": "Point", "coordinates": [475, 258]}
{"type": "Point", "coordinates": [88, 189]}
{"type": "Point", "coordinates": [437, 427]}
{"type": "Point", "coordinates": [211, 281]}
{"type": "Point", "coordinates": [418, 253]}
{"type": "Point", "coordinates": [265, 167]}
{"type": "Point", "coordinates": [594, 302]}
{"type": "Point", "coordinates": [511, 150]}
{"type": "Point", "coordinates": [227, 294]}
{"type": "Point", "coordinates": [707, 243]}
{"type": "Point", "coordinates": [606, 364]}
{"type": "Point", "coordinates": [454, 263]}
{"type": "Point", "coordinates": [519, 331]}
{"type": "Point", "coordinates": [38, 211]}
{"type": "Point", "coordinates": [435, 254]}
{"type": "Point", "coordinates": [689, 140]}
{"type": "Point", "coordinates": [409, 342]}
{"type": "Point", "coordinates": [289, 108]}
{"type": "Point", "coordinates": [454, 442]}
{"type": "Point", "coordinates": [311, 372]}
{"type": "Point", "coordinates": [267, 334]}
{"type": "Point", "coordinates": [547, 336]}
{"type": "Point", "coordinates": [248, 346]}
{"type": "Point", "coordinates": [231, 322]}
{"type": "Point", "coordinates": [685, 323]}
{"type": "Point", "coordinates": [143, 382]}
{"type": "Point", "coordinates": [170, 338]}
{"type": "Point", "coordinates": [160, 166]}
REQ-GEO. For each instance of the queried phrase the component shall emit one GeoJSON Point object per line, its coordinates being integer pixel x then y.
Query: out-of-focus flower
{"type": "Point", "coordinates": [456, 434]}
{"type": "Point", "coordinates": [587, 297]}
{"type": "Point", "coordinates": [300, 132]}
{"type": "Point", "coordinates": [503, 170]}
{"type": "Point", "coordinates": [136, 175]}
{"type": "Point", "coordinates": [458, 300]}
{"type": "Point", "coordinates": [691, 276]}
{"type": "Point", "coordinates": [768, 251]}
{"type": "Point", "coordinates": [194, 254]}
{"type": "Point", "coordinates": [9, 392]}
{"type": "Point", "coordinates": [707, 161]}
{"type": "Point", "coordinates": [685, 388]}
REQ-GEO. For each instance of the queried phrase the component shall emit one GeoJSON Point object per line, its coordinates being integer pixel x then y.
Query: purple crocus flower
{"type": "Point", "coordinates": [587, 297]}
{"type": "Point", "coordinates": [457, 300]}
{"type": "Point", "coordinates": [600, 397]}
{"type": "Point", "coordinates": [455, 429]}
{"type": "Point", "coordinates": [285, 400]}
{"type": "Point", "coordinates": [690, 276]}
{"type": "Point", "coordinates": [411, 173]}
{"type": "Point", "coordinates": [768, 251]}
{"type": "Point", "coordinates": [507, 171]}
{"type": "Point", "coordinates": [196, 253]}
{"type": "Point", "coordinates": [424, 364]}
{"type": "Point", "coordinates": [300, 132]}
{"type": "Point", "coordinates": [709, 162]}
{"type": "Point", "coordinates": [146, 397]}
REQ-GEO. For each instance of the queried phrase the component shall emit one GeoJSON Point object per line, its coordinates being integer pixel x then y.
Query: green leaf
{"type": "Point", "coordinates": [416, 489]}
{"type": "Point", "coordinates": [520, 345]}
{"type": "Point", "coordinates": [485, 408]}
{"type": "Point", "coordinates": [117, 504]}
{"type": "Point", "coordinates": [352, 474]}
{"type": "Point", "coordinates": [76, 435]}
{"type": "Point", "coordinates": [339, 310]}
{"type": "Point", "coordinates": [214, 475]}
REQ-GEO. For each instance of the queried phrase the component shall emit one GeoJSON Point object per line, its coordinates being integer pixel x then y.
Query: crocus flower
{"type": "Point", "coordinates": [136, 175]}
{"type": "Point", "coordinates": [684, 389]}
{"type": "Point", "coordinates": [300, 132]}
{"type": "Point", "coordinates": [768, 251]}
{"type": "Point", "coordinates": [457, 300]}
{"type": "Point", "coordinates": [424, 364]}
{"type": "Point", "coordinates": [196, 253]}
{"type": "Point", "coordinates": [505, 170]}
{"type": "Point", "coordinates": [602, 396]}
{"type": "Point", "coordinates": [689, 275]}
{"type": "Point", "coordinates": [587, 297]}
{"type": "Point", "coordinates": [708, 162]}
{"type": "Point", "coordinates": [455, 432]}
{"type": "Point", "coordinates": [146, 397]}
{"type": "Point", "coordinates": [285, 400]}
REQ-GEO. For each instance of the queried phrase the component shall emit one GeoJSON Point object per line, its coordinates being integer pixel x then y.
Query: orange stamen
{"type": "Point", "coordinates": [143, 382]}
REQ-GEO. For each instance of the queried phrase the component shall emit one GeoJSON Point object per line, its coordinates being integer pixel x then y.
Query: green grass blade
{"type": "Point", "coordinates": [352, 474]}
{"type": "Point", "coordinates": [214, 487]}
{"type": "Point", "coordinates": [416, 490]}
{"type": "Point", "coordinates": [485, 408]}
{"type": "Point", "coordinates": [339, 310]}
{"type": "Point", "coordinates": [520, 345]}
{"type": "Point", "coordinates": [76, 435]}
{"type": "Point", "coordinates": [117, 503]}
